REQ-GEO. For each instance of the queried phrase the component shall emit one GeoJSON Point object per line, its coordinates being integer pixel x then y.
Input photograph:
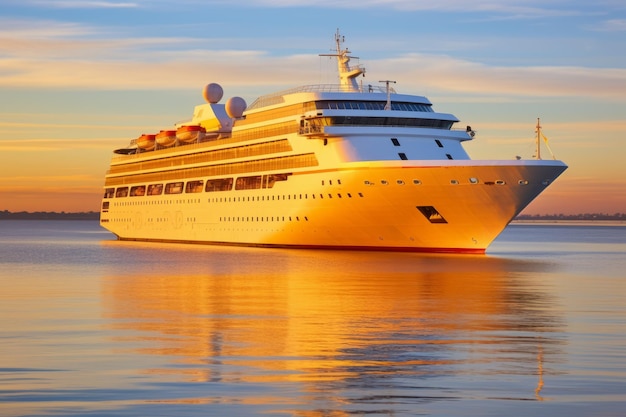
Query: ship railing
{"type": "Point", "coordinates": [277, 97]}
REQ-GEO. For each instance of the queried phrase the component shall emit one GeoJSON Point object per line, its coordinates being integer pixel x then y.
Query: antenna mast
{"type": "Point", "coordinates": [538, 139]}
{"type": "Point", "coordinates": [387, 82]}
{"type": "Point", "coordinates": [347, 74]}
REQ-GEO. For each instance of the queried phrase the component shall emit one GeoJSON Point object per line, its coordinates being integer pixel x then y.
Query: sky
{"type": "Point", "coordinates": [79, 78]}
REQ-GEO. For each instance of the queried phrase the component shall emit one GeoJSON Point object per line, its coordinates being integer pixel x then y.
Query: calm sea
{"type": "Point", "coordinates": [94, 327]}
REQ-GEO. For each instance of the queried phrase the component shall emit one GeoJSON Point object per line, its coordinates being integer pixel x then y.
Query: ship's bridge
{"type": "Point", "coordinates": [280, 97]}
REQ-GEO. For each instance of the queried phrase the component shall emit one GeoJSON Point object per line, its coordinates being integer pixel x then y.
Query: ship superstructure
{"type": "Point", "coordinates": [344, 166]}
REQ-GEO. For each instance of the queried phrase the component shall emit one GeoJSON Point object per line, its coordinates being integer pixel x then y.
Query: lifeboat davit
{"type": "Point", "coordinates": [192, 133]}
{"type": "Point", "coordinates": [146, 141]}
{"type": "Point", "coordinates": [166, 137]}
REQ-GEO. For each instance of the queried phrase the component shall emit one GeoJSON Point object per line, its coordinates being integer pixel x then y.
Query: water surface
{"type": "Point", "coordinates": [92, 326]}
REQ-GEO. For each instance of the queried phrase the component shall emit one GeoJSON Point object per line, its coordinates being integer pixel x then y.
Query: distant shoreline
{"type": "Point", "coordinates": [40, 215]}
{"type": "Point", "coordinates": [550, 222]}
{"type": "Point", "coordinates": [587, 218]}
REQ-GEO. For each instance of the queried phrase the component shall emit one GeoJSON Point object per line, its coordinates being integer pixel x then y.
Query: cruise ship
{"type": "Point", "coordinates": [348, 166]}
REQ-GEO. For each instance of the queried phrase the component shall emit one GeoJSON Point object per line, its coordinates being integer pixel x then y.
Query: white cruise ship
{"type": "Point", "coordinates": [346, 166]}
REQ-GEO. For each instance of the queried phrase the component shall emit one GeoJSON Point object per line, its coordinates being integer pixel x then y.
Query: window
{"type": "Point", "coordinates": [174, 188]}
{"type": "Point", "coordinates": [194, 186]}
{"type": "Point", "coordinates": [431, 214]}
{"type": "Point", "coordinates": [449, 156]}
{"type": "Point", "coordinates": [121, 192]}
{"type": "Point", "coordinates": [138, 191]}
{"type": "Point", "coordinates": [270, 180]}
{"type": "Point", "coordinates": [248, 183]}
{"type": "Point", "coordinates": [395, 142]}
{"type": "Point", "coordinates": [109, 193]}
{"type": "Point", "coordinates": [402, 156]}
{"type": "Point", "coordinates": [438, 142]}
{"type": "Point", "coordinates": [155, 189]}
{"type": "Point", "coordinates": [220, 184]}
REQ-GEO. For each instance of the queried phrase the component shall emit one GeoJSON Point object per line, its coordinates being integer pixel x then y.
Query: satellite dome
{"type": "Point", "coordinates": [212, 93]}
{"type": "Point", "coordinates": [235, 107]}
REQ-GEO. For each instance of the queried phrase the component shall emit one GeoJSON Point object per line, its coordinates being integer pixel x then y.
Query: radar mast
{"type": "Point", "coordinates": [347, 74]}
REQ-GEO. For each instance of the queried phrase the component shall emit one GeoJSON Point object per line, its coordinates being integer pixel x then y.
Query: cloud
{"type": "Point", "coordinates": [16, 29]}
{"type": "Point", "coordinates": [132, 64]}
{"type": "Point", "coordinates": [612, 25]}
{"type": "Point", "coordinates": [512, 8]}
{"type": "Point", "coordinates": [51, 145]}
{"type": "Point", "coordinates": [83, 4]}
{"type": "Point", "coordinates": [48, 54]}
{"type": "Point", "coordinates": [447, 74]}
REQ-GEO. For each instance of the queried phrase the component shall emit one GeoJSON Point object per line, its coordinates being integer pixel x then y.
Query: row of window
{"type": "Point", "coordinates": [197, 186]}
{"type": "Point", "coordinates": [471, 180]}
{"type": "Point", "coordinates": [219, 170]}
{"type": "Point", "coordinates": [248, 183]}
{"type": "Point", "coordinates": [235, 152]}
{"type": "Point", "coordinates": [318, 122]}
{"type": "Point", "coordinates": [373, 105]}
{"type": "Point", "coordinates": [262, 219]}
{"type": "Point", "coordinates": [106, 204]}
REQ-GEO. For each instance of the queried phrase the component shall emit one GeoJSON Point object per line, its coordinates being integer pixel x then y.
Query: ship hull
{"type": "Point", "coordinates": [451, 206]}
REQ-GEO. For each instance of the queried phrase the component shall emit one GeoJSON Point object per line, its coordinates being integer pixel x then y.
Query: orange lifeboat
{"type": "Point", "coordinates": [146, 141]}
{"type": "Point", "coordinates": [191, 133]}
{"type": "Point", "coordinates": [166, 137]}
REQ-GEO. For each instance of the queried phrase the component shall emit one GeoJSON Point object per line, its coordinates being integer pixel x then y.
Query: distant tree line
{"type": "Point", "coordinates": [94, 215]}
{"type": "Point", "coordinates": [584, 216]}
{"type": "Point", "coordinates": [48, 215]}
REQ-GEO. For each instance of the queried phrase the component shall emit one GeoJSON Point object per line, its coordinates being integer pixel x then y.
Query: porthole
{"type": "Point", "coordinates": [523, 182]}
{"type": "Point", "coordinates": [384, 182]}
{"type": "Point", "coordinates": [454, 182]}
{"type": "Point", "coordinates": [473, 180]}
{"type": "Point", "coordinates": [500, 182]}
{"type": "Point", "coordinates": [417, 182]}
{"type": "Point", "coordinates": [400, 182]}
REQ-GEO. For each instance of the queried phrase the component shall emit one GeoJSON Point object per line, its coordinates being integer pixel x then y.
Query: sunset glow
{"type": "Point", "coordinates": [81, 78]}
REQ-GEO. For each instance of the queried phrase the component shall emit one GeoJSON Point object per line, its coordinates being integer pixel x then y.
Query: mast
{"type": "Point", "coordinates": [347, 74]}
{"type": "Point", "coordinates": [387, 82]}
{"type": "Point", "coordinates": [538, 143]}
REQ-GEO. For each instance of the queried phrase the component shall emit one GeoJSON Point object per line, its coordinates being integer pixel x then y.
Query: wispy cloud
{"type": "Point", "coordinates": [512, 8]}
{"type": "Point", "coordinates": [248, 68]}
{"type": "Point", "coordinates": [84, 4]}
{"type": "Point", "coordinates": [450, 74]}
{"type": "Point", "coordinates": [611, 25]}
{"type": "Point", "coordinates": [19, 29]}
{"type": "Point", "coordinates": [63, 145]}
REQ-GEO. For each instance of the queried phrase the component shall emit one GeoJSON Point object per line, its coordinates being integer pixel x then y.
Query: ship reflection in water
{"type": "Point", "coordinates": [335, 333]}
